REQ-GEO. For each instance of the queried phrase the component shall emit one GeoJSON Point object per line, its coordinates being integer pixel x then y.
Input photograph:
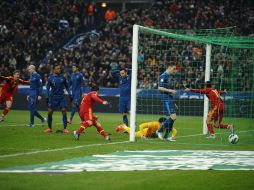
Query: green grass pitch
{"type": "Point", "coordinates": [18, 140]}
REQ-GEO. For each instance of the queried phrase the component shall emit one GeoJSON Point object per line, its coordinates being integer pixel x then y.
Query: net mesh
{"type": "Point", "coordinates": [232, 62]}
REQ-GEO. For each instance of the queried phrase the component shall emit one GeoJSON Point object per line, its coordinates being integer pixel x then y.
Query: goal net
{"type": "Point", "coordinates": [216, 55]}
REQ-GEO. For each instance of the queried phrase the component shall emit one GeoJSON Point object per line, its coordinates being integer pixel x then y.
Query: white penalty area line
{"type": "Point", "coordinates": [60, 149]}
{"type": "Point", "coordinates": [94, 145]}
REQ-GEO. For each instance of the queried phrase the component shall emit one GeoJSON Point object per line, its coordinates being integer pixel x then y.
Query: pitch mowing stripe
{"type": "Point", "coordinates": [91, 145]}
{"type": "Point", "coordinates": [60, 149]}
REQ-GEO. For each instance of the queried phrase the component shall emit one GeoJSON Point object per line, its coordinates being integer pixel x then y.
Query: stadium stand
{"type": "Point", "coordinates": [33, 32]}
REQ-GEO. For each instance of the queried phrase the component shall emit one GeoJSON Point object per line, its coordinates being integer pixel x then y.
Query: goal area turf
{"type": "Point", "coordinates": [24, 147]}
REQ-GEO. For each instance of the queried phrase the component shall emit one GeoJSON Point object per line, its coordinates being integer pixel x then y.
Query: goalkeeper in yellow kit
{"type": "Point", "coordinates": [148, 129]}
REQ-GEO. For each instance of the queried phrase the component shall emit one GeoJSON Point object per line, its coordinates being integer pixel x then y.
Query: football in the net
{"type": "Point", "coordinates": [233, 138]}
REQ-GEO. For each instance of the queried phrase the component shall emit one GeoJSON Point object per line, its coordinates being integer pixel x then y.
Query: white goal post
{"type": "Point", "coordinates": [134, 85]}
{"type": "Point", "coordinates": [134, 82]}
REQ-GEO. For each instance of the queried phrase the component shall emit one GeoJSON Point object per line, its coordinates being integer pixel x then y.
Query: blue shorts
{"type": "Point", "coordinates": [169, 106]}
{"type": "Point", "coordinates": [32, 102]}
{"type": "Point", "coordinates": [76, 98]}
{"type": "Point", "coordinates": [55, 103]}
{"type": "Point", "coordinates": [124, 104]}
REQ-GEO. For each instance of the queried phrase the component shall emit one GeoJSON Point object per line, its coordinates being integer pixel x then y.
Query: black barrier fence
{"type": "Point", "coordinates": [186, 107]}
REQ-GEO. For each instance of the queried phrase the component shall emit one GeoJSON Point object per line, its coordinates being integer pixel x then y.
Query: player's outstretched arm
{"type": "Point", "coordinates": [5, 78]}
{"type": "Point", "coordinates": [163, 89]}
{"type": "Point", "coordinates": [97, 99]}
{"type": "Point", "coordinates": [25, 82]}
{"type": "Point", "coordinates": [223, 91]}
{"type": "Point", "coordinates": [200, 91]}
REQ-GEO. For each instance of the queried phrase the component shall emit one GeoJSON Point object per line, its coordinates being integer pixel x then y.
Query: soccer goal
{"type": "Point", "coordinates": [217, 55]}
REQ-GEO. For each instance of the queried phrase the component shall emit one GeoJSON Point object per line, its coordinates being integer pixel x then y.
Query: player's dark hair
{"type": "Point", "coordinates": [75, 65]}
{"type": "Point", "coordinates": [123, 69]}
{"type": "Point", "coordinates": [16, 71]}
{"type": "Point", "coordinates": [208, 84]}
{"type": "Point", "coordinates": [95, 88]}
{"type": "Point", "coordinates": [56, 65]}
{"type": "Point", "coordinates": [162, 119]}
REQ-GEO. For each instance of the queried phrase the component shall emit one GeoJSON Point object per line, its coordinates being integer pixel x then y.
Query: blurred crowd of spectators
{"type": "Point", "coordinates": [231, 68]}
{"type": "Point", "coordinates": [32, 32]}
{"type": "Point", "coordinates": [30, 29]}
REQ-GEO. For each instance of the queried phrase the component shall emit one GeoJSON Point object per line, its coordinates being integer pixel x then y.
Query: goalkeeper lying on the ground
{"type": "Point", "coordinates": [148, 129]}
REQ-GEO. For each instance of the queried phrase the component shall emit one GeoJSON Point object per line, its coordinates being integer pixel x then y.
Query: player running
{"type": "Point", "coordinates": [55, 96]}
{"type": "Point", "coordinates": [86, 113]}
{"type": "Point", "coordinates": [148, 129]}
{"type": "Point", "coordinates": [77, 89]}
{"type": "Point", "coordinates": [7, 91]}
{"type": "Point", "coordinates": [125, 91]}
{"type": "Point", "coordinates": [217, 108]}
{"type": "Point", "coordinates": [35, 95]}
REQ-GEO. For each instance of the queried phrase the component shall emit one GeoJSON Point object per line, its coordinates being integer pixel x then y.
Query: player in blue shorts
{"type": "Point", "coordinates": [167, 92]}
{"type": "Point", "coordinates": [35, 94]}
{"type": "Point", "coordinates": [55, 96]}
{"type": "Point", "coordinates": [125, 91]}
{"type": "Point", "coordinates": [77, 89]}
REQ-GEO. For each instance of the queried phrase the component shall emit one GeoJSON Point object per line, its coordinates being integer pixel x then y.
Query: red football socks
{"type": "Point", "coordinates": [83, 127]}
{"type": "Point", "coordinates": [101, 131]}
{"type": "Point", "coordinates": [223, 126]}
{"type": "Point", "coordinates": [5, 111]}
{"type": "Point", "coordinates": [210, 128]}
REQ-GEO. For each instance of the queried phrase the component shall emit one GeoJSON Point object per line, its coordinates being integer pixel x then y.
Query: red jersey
{"type": "Point", "coordinates": [11, 85]}
{"type": "Point", "coordinates": [213, 95]}
{"type": "Point", "coordinates": [87, 102]}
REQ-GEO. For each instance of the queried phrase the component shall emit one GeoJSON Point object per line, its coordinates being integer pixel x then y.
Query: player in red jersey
{"type": "Point", "coordinates": [8, 89]}
{"type": "Point", "coordinates": [217, 108]}
{"type": "Point", "coordinates": [86, 113]}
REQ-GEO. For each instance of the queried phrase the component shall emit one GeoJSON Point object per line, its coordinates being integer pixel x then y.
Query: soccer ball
{"type": "Point", "coordinates": [233, 138]}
